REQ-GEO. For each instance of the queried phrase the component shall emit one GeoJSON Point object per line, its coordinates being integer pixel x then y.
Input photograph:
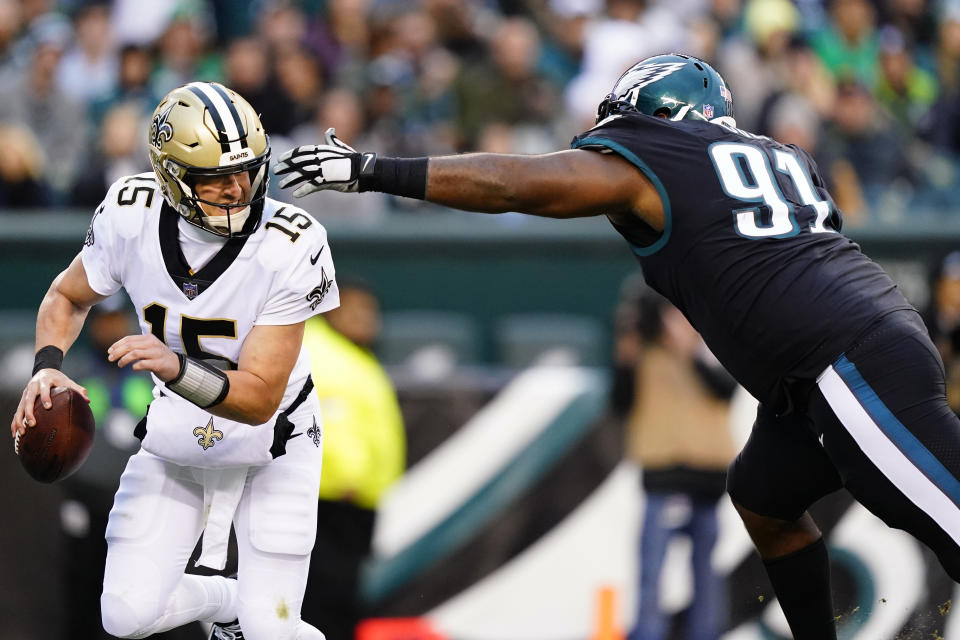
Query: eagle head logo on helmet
{"type": "Point", "coordinates": [673, 86]}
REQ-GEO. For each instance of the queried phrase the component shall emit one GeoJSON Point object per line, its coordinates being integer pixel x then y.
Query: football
{"type": "Point", "coordinates": [61, 439]}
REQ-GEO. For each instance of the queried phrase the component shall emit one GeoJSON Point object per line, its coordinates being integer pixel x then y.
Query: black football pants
{"type": "Point", "coordinates": [876, 423]}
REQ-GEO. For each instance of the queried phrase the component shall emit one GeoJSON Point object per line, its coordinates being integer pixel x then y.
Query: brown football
{"type": "Point", "coordinates": [61, 439]}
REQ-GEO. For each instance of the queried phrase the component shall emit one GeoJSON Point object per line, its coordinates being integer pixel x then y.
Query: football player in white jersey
{"type": "Point", "coordinates": [223, 279]}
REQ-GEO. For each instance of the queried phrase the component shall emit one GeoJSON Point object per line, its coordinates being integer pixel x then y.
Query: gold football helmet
{"type": "Point", "coordinates": [205, 129]}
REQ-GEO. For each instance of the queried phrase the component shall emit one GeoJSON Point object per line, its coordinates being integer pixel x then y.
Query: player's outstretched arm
{"type": "Point", "coordinates": [565, 184]}
{"type": "Point", "coordinates": [251, 394]}
{"type": "Point", "coordinates": [59, 321]}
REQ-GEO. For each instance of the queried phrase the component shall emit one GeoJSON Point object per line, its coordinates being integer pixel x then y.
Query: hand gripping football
{"type": "Point", "coordinates": [61, 439]}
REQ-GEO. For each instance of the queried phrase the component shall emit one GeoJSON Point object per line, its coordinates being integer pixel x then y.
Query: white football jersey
{"type": "Point", "coordinates": [281, 274]}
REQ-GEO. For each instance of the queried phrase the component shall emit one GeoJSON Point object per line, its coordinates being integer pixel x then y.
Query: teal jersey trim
{"type": "Point", "coordinates": [647, 171]}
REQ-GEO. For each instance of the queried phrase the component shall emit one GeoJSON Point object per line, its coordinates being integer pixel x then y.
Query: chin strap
{"type": "Point", "coordinates": [232, 222]}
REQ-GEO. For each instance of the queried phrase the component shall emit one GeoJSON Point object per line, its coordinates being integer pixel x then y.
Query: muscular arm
{"type": "Point", "coordinates": [565, 184]}
{"type": "Point", "coordinates": [267, 357]}
{"type": "Point", "coordinates": [266, 360]}
{"type": "Point", "coordinates": [65, 306]}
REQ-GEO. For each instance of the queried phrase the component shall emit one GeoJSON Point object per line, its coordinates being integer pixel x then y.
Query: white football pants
{"type": "Point", "coordinates": [157, 518]}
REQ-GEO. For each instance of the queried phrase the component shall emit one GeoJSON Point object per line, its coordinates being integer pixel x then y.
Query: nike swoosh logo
{"type": "Point", "coordinates": [294, 436]}
{"type": "Point", "coordinates": [313, 259]}
{"type": "Point", "coordinates": [367, 161]}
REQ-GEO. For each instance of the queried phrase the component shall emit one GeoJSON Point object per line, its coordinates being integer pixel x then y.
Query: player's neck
{"type": "Point", "coordinates": [197, 234]}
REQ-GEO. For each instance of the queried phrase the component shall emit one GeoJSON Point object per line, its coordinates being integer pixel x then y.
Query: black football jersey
{"type": "Point", "coordinates": [751, 250]}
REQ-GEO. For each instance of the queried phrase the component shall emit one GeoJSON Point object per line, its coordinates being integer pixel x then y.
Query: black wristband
{"type": "Point", "coordinates": [405, 177]}
{"type": "Point", "coordinates": [48, 357]}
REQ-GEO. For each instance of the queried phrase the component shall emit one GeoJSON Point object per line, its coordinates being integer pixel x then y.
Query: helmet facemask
{"type": "Point", "coordinates": [241, 218]}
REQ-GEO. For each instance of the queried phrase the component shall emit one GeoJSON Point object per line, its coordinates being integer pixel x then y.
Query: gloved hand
{"type": "Point", "coordinates": [334, 165]}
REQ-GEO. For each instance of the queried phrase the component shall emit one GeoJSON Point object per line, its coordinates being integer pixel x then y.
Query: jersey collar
{"type": "Point", "coordinates": [191, 284]}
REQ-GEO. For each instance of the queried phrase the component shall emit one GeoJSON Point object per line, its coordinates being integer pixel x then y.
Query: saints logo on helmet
{"type": "Point", "coordinates": [160, 131]}
{"type": "Point", "coordinates": [204, 129]}
{"type": "Point", "coordinates": [673, 86]}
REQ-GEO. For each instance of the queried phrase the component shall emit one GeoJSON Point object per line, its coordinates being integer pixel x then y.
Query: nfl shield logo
{"type": "Point", "coordinates": [708, 111]}
{"type": "Point", "coordinates": [191, 290]}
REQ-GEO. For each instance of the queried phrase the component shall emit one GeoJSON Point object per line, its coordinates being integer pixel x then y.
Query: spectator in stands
{"type": "Point", "coordinates": [805, 77]}
{"type": "Point", "coordinates": [848, 43]}
{"type": "Point", "coordinates": [565, 23]}
{"type": "Point", "coordinates": [459, 26]}
{"type": "Point", "coordinates": [21, 170]}
{"type": "Point", "coordinates": [861, 134]}
{"type": "Point", "coordinates": [507, 88]}
{"type": "Point", "coordinates": [281, 23]}
{"type": "Point", "coordinates": [183, 54]}
{"type": "Point", "coordinates": [348, 24]}
{"type": "Point", "coordinates": [247, 71]}
{"type": "Point", "coordinates": [678, 432]}
{"type": "Point", "coordinates": [88, 69]}
{"type": "Point", "coordinates": [132, 86]}
{"type": "Point", "coordinates": [906, 90]}
{"type": "Point", "coordinates": [941, 127]}
{"type": "Point", "coordinates": [10, 22]}
{"type": "Point", "coordinates": [364, 452]}
{"type": "Point", "coordinates": [791, 120]}
{"type": "Point", "coordinates": [32, 98]}
{"type": "Point", "coordinates": [947, 54]}
{"type": "Point", "coordinates": [142, 23]}
{"type": "Point", "coordinates": [943, 321]}
{"type": "Point", "coordinates": [300, 80]}
{"type": "Point", "coordinates": [627, 31]}
{"type": "Point", "coordinates": [120, 151]}
{"type": "Point", "coordinates": [758, 64]}
{"type": "Point", "coordinates": [428, 72]}
{"type": "Point", "coordinates": [917, 21]}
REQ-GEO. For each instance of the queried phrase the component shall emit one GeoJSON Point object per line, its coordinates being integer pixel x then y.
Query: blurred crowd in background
{"type": "Point", "coordinates": [870, 87]}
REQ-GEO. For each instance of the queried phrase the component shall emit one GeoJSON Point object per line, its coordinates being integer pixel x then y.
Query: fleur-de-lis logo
{"type": "Point", "coordinates": [315, 432]}
{"type": "Point", "coordinates": [160, 130]}
{"type": "Point", "coordinates": [315, 297]}
{"type": "Point", "coordinates": [207, 435]}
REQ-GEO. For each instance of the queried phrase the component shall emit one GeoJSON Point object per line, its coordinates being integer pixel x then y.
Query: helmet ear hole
{"type": "Point", "coordinates": [662, 112]}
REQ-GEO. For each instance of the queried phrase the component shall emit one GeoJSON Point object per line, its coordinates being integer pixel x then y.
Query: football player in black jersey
{"type": "Point", "coordinates": [739, 232]}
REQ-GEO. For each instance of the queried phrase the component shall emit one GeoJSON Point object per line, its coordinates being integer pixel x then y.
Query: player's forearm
{"type": "Point", "coordinates": [497, 183]}
{"type": "Point", "coordinates": [250, 399]}
{"type": "Point", "coordinates": [59, 319]}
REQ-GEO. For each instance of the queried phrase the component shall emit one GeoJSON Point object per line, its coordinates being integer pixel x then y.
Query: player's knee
{"type": "Point", "coordinates": [747, 493]}
{"type": "Point", "coordinates": [122, 618]}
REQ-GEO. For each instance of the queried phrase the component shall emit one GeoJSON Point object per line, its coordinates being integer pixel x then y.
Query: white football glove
{"type": "Point", "coordinates": [334, 165]}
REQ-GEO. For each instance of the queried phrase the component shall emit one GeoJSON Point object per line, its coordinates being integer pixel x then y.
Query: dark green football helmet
{"type": "Point", "coordinates": [673, 86]}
